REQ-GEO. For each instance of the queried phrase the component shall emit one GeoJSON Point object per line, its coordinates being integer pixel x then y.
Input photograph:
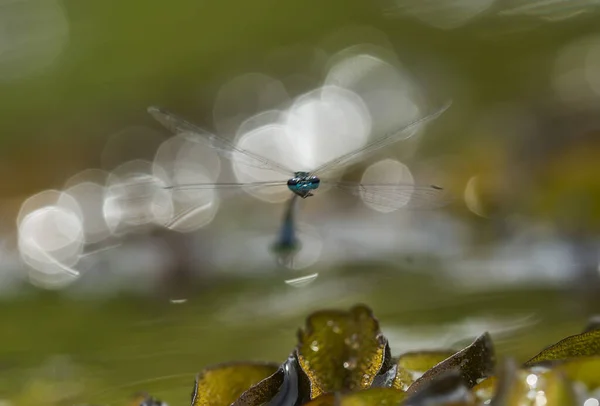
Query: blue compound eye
{"type": "Point", "coordinates": [293, 182]}
{"type": "Point", "coordinates": [314, 182]}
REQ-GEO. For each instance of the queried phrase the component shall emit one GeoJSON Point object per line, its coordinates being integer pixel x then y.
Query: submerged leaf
{"type": "Point", "coordinates": [341, 350]}
{"type": "Point", "coordinates": [412, 365]}
{"type": "Point", "coordinates": [473, 362]}
{"type": "Point", "coordinates": [580, 345]}
{"type": "Point", "coordinates": [144, 399]}
{"type": "Point", "coordinates": [223, 384]}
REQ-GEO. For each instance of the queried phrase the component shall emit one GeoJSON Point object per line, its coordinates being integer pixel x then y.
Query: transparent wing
{"type": "Point", "coordinates": [189, 212]}
{"type": "Point", "coordinates": [143, 197]}
{"type": "Point", "coordinates": [195, 186]}
{"type": "Point", "coordinates": [404, 196]}
{"type": "Point", "coordinates": [222, 146]}
{"type": "Point", "coordinates": [381, 142]}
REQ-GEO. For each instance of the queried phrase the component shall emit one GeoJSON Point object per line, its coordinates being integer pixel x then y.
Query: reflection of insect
{"type": "Point", "coordinates": [304, 183]}
{"type": "Point", "coordinates": [143, 399]}
{"type": "Point", "coordinates": [287, 244]}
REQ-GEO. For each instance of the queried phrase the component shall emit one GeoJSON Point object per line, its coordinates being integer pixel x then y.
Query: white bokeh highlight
{"type": "Point", "coordinates": [388, 172]}
{"type": "Point", "coordinates": [135, 197]}
{"type": "Point", "coordinates": [183, 160]}
{"type": "Point", "coordinates": [388, 91]}
{"type": "Point", "coordinates": [326, 123]}
{"type": "Point", "coordinates": [51, 238]}
{"type": "Point", "coordinates": [576, 73]}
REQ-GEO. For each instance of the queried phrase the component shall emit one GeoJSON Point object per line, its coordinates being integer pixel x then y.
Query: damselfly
{"type": "Point", "coordinates": [303, 183]}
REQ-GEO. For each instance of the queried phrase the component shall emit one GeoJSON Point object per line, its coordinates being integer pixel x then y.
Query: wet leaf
{"type": "Point", "coordinates": [585, 370]}
{"type": "Point", "coordinates": [341, 350]}
{"type": "Point", "coordinates": [285, 387]}
{"type": "Point", "coordinates": [446, 388]}
{"type": "Point", "coordinates": [263, 391]}
{"type": "Point", "coordinates": [473, 362]}
{"type": "Point", "coordinates": [385, 378]}
{"type": "Point", "coordinates": [223, 384]}
{"type": "Point", "coordinates": [580, 345]}
{"type": "Point", "coordinates": [412, 365]}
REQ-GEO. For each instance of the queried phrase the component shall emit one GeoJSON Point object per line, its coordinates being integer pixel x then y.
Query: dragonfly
{"type": "Point", "coordinates": [303, 184]}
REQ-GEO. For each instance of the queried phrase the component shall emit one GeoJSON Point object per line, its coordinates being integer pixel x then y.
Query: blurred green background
{"type": "Point", "coordinates": [73, 73]}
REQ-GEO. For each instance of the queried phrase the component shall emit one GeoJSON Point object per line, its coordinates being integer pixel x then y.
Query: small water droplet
{"type": "Point", "coordinates": [350, 364]}
{"type": "Point", "coordinates": [352, 341]}
{"type": "Point", "coordinates": [314, 346]}
{"type": "Point", "coordinates": [336, 329]}
{"type": "Point", "coordinates": [366, 379]}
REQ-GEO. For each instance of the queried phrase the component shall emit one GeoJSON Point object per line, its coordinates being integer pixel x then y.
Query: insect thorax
{"type": "Point", "coordinates": [303, 183]}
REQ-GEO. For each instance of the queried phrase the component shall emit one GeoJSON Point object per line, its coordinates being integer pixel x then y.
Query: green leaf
{"type": "Point", "coordinates": [342, 350]}
{"type": "Point", "coordinates": [586, 344]}
{"type": "Point", "coordinates": [263, 391]}
{"type": "Point", "coordinates": [222, 384]}
{"type": "Point", "coordinates": [473, 362]}
{"type": "Point", "coordinates": [558, 390]}
{"type": "Point", "coordinates": [445, 388]}
{"type": "Point", "coordinates": [584, 370]}
{"type": "Point", "coordinates": [285, 387]}
{"type": "Point", "coordinates": [367, 397]}
{"type": "Point", "coordinates": [412, 365]}
{"type": "Point", "coordinates": [533, 386]}
{"type": "Point", "coordinates": [327, 399]}
{"type": "Point", "coordinates": [373, 397]}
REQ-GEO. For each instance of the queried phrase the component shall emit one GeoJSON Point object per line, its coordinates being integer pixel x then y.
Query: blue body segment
{"type": "Point", "coordinates": [302, 184]}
